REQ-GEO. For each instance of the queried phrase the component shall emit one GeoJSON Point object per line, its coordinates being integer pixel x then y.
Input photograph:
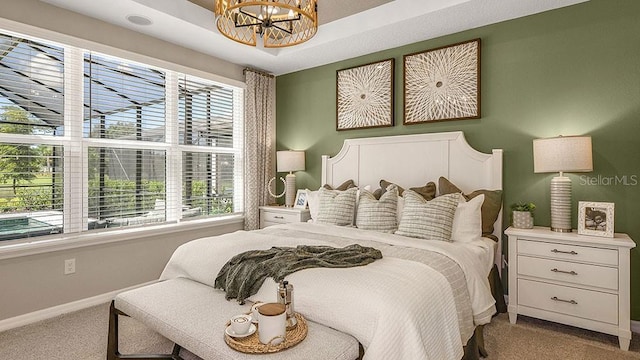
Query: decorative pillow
{"type": "Point", "coordinates": [490, 207]}
{"type": "Point", "coordinates": [313, 199]}
{"type": "Point", "coordinates": [431, 220]}
{"type": "Point", "coordinates": [344, 186]}
{"type": "Point", "coordinates": [378, 215]}
{"type": "Point", "coordinates": [337, 207]}
{"type": "Point", "coordinates": [428, 192]}
{"type": "Point", "coordinates": [467, 222]}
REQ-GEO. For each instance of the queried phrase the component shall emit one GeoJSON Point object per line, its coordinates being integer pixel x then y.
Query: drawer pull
{"type": "Point", "coordinates": [279, 217]}
{"type": "Point", "coordinates": [555, 298]}
{"type": "Point", "coordinates": [564, 272]}
{"type": "Point", "coordinates": [564, 252]}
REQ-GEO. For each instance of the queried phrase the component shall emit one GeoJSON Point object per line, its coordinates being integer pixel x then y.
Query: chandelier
{"type": "Point", "coordinates": [278, 23]}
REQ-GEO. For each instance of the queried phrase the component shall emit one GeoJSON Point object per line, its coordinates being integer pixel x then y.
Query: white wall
{"type": "Point", "coordinates": [35, 282]}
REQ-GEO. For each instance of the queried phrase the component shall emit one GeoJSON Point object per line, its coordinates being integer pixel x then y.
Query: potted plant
{"type": "Point", "coordinates": [522, 215]}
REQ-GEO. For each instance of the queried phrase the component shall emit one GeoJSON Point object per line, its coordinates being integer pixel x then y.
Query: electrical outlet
{"type": "Point", "coordinates": [69, 266]}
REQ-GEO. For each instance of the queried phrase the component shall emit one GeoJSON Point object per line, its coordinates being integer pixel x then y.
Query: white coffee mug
{"type": "Point", "coordinates": [240, 324]}
{"type": "Point", "coordinates": [272, 323]}
{"type": "Point", "coordinates": [254, 311]}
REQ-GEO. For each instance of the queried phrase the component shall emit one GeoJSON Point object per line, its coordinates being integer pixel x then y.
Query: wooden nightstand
{"type": "Point", "coordinates": [572, 279]}
{"type": "Point", "coordinates": [274, 215]}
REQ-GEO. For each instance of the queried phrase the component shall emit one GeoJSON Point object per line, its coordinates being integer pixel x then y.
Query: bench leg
{"type": "Point", "coordinates": [112, 343]}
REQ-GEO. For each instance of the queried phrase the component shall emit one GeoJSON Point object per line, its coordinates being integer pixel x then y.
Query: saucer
{"type": "Point", "coordinates": [229, 331]}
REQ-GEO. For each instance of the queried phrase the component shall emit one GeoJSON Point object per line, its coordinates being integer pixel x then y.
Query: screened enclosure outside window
{"type": "Point", "coordinates": [131, 145]}
{"type": "Point", "coordinates": [31, 190]}
{"type": "Point", "coordinates": [126, 186]}
{"type": "Point", "coordinates": [31, 86]}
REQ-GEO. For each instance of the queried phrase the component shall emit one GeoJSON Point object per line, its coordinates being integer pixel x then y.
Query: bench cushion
{"type": "Point", "coordinates": [194, 315]}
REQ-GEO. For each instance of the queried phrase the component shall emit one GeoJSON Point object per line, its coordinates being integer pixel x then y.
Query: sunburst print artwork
{"type": "Point", "coordinates": [365, 96]}
{"type": "Point", "coordinates": [442, 84]}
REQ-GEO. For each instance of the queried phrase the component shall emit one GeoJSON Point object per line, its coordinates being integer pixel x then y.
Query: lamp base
{"type": "Point", "coordinates": [290, 187]}
{"type": "Point", "coordinates": [561, 204]}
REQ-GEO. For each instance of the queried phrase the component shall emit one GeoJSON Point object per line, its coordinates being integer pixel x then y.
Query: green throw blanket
{"type": "Point", "coordinates": [243, 275]}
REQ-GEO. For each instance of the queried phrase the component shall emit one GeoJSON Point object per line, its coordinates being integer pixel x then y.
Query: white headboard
{"type": "Point", "coordinates": [412, 160]}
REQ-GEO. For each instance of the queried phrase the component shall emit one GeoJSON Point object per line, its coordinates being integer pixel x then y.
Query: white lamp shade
{"type": "Point", "coordinates": [562, 154]}
{"type": "Point", "coordinates": [290, 160]}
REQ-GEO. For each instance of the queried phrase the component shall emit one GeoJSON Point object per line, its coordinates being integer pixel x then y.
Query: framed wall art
{"type": "Point", "coordinates": [595, 218]}
{"type": "Point", "coordinates": [442, 83]}
{"type": "Point", "coordinates": [364, 96]}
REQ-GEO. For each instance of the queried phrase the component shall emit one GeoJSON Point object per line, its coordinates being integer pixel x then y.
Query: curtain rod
{"type": "Point", "coordinates": [244, 71]}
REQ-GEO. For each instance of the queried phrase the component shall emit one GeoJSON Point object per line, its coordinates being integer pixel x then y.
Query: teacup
{"type": "Point", "coordinates": [240, 324]}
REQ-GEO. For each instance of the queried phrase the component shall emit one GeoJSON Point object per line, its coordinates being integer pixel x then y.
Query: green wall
{"type": "Point", "coordinates": [570, 71]}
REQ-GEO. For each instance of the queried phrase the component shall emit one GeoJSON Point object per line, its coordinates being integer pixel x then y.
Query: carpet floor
{"type": "Point", "coordinates": [82, 335]}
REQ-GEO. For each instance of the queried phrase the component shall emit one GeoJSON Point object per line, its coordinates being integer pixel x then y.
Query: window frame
{"type": "Point", "coordinates": [74, 155]}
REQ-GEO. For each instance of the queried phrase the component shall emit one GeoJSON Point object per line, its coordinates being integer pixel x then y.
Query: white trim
{"type": "Point", "coordinates": [48, 313]}
{"type": "Point", "coordinates": [93, 238]}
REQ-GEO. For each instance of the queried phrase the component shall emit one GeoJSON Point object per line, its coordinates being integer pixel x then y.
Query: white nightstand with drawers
{"type": "Point", "coordinates": [274, 215]}
{"type": "Point", "coordinates": [572, 279]}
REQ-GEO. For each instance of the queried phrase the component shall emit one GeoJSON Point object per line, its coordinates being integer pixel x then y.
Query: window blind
{"type": "Point", "coordinates": [126, 186]}
{"type": "Point", "coordinates": [205, 116]}
{"type": "Point", "coordinates": [31, 86]}
{"type": "Point", "coordinates": [123, 100]}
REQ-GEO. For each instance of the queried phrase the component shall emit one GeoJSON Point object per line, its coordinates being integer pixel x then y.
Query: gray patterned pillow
{"type": "Point", "coordinates": [431, 220]}
{"type": "Point", "coordinates": [337, 207]}
{"type": "Point", "coordinates": [378, 215]}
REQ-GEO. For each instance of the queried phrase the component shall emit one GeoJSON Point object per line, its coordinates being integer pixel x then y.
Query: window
{"type": "Point", "coordinates": [133, 144]}
{"type": "Point", "coordinates": [206, 125]}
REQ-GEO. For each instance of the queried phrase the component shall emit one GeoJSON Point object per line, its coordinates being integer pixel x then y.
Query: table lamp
{"type": "Point", "coordinates": [290, 160]}
{"type": "Point", "coordinates": [562, 154]}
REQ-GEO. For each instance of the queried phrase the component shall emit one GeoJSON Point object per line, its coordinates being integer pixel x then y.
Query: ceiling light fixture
{"type": "Point", "coordinates": [278, 23]}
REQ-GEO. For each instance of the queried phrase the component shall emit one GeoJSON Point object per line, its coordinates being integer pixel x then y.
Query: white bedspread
{"type": "Point", "coordinates": [397, 309]}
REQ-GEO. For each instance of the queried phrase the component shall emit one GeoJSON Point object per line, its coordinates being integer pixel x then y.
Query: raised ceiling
{"type": "Point", "coordinates": [347, 28]}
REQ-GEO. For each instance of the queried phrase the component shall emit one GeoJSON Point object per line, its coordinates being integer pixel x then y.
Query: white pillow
{"type": "Point", "coordinates": [467, 221]}
{"type": "Point", "coordinates": [400, 208]}
{"type": "Point", "coordinates": [313, 200]}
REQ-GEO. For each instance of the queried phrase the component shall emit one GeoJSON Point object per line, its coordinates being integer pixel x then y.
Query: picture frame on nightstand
{"type": "Point", "coordinates": [596, 218]}
{"type": "Point", "coordinates": [301, 199]}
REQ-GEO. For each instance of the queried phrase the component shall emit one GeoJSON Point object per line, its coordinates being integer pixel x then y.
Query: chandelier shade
{"type": "Point", "coordinates": [278, 23]}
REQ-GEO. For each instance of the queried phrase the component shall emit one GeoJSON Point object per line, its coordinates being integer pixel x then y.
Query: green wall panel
{"type": "Point", "coordinates": [570, 71]}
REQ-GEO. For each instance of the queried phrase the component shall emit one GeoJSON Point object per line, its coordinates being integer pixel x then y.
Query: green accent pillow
{"type": "Point", "coordinates": [428, 192]}
{"type": "Point", "coordinates": [490, 207]}
{"type": "Point", "coordinates": [344, 186]}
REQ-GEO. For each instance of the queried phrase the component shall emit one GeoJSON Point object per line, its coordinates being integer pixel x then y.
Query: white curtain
{"type": "Point", "coordinates": [259, 143]}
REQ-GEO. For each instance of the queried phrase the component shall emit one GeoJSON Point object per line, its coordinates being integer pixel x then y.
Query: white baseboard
{"type": "Point", "coordinates": [54, 311]}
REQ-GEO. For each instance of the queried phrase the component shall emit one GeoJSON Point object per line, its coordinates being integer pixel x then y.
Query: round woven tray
{"type": "Point", "coordinates": [252, 345]}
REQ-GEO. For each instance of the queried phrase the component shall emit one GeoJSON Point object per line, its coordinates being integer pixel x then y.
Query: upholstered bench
{"type": "Point", "coordinates": [193, 316]}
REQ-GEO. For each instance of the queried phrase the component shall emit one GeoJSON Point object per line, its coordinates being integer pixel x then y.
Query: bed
{"type": "Point", "coordinates": [423, 299]}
